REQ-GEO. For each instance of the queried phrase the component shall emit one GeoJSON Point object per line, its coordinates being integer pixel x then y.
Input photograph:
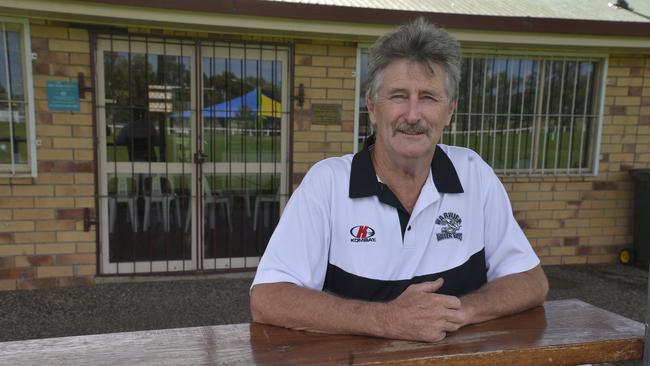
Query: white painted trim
{"type": "Point", "coordinates": [228, 23]}
{"type": "Point", "coordinates": [30, 169]}
{"type": "Point", "coordinates": [601, 113]}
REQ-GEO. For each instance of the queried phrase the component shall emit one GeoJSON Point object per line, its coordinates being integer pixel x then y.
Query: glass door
{"type": "Point", "coordinates": [243, 144]}
{"type": "Point", "coordinates": [144, 109]}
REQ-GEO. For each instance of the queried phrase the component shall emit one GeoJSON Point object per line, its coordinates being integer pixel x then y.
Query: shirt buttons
{"type": "Point", "coordinates": [409, 228]}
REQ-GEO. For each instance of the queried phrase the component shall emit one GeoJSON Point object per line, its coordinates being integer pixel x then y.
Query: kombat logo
{"type": "Point", "coordinates": [362, 234]}
{"type": "Point", "coordinates": [451, 224]}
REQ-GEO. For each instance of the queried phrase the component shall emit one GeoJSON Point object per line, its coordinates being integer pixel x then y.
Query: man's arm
{"type": "Point", "coordinates": [417, 314]}
{"type": "Point", "coordinates": [504, 296]}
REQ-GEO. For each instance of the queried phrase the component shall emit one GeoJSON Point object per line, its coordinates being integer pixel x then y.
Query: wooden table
{"type": "Point", "coordinates": [565, 332]}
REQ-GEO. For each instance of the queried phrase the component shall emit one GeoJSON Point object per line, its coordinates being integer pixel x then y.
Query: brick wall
{"type": "Point", "coordinates": [327, 71]}
{"type": "Point", "coordinates": [42, 242]}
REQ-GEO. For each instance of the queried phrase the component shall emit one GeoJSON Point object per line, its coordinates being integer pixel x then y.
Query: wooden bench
{"type": "Point", "coordinates": [564, 332]}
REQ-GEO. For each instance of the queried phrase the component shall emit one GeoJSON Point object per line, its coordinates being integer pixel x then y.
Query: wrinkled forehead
{"type": "Point", "coordinates": [429, 72]}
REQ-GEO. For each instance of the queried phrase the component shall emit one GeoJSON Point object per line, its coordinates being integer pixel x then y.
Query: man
{"type": "Point", "coordinates": [407, 239]}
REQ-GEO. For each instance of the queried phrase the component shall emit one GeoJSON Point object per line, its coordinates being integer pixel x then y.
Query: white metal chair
{"type": "Point", "coordinates": [159, 190]}
{"type": "Point", "coordinates": [212, 199]}
{"type": "Point", "coordinates": [260, 200]}
{"type": "Point", "coordinates": [126, 192]}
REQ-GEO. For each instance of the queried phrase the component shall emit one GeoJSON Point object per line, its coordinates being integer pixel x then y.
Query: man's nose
{"type": "Point", "coordinates": [413, 112]}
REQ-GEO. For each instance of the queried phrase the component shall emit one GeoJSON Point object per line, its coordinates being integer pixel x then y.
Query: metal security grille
{"type": "Point", "coordinates": [523, 114]}
{"type": "Point", "coordinates": [528, 115]}
{"type": "Point", "coordinates": [192, 151]}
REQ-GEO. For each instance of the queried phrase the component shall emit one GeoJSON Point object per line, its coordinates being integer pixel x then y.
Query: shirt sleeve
{"type": "Point", "coordinates": [507, 250]}
{"type": "Point", "coordinates": [299, 247]}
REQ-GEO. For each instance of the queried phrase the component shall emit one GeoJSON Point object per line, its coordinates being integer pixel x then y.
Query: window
{"type": "Point", "coordinates": [17, 149]}
{"type": "Point", "coordinates": [525, 114]}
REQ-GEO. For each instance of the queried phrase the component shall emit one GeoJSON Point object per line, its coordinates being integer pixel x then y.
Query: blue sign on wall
{"type": "Point", "coordinates": [63, 96]}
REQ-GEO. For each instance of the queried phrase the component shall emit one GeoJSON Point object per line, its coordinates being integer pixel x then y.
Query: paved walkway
{"type": "Point", "coordinates": [129, 306]}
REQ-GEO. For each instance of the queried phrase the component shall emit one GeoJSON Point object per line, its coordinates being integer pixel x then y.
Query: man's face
{"type": "Point", "coordinates": [411, 109]}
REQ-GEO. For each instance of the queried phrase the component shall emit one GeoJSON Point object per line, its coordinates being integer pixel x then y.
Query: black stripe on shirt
{"type": "Point", "coordinates": [459, 281]}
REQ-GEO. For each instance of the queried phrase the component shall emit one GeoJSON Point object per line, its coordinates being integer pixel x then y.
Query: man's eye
{"type": "Point", "coordinates": [398, 97]}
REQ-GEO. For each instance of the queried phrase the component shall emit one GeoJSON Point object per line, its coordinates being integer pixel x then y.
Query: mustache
{"type": "Point", "coordinates": [405, 127]}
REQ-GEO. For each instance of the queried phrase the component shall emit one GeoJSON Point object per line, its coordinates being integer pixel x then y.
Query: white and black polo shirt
{"type": "Point", "coordinates": [345, 232]}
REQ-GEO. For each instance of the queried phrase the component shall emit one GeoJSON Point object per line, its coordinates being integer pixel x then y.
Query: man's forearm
{"type": "Point", "coordinates": [419, 313]}
{"type": "Point", "coordinates": [504, 296]}
{"type": "Point", "coordinates": [291, 306]}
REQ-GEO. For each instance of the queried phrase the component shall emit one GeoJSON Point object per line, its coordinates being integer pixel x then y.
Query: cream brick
{"type": "Point", "coordinates": [616, 91]}
{"type": "Point", "coordinates": [72, 142]}
{"type": "Point", "coordinates": [552, 205]}
{"type": "Point", "coordinates": [340, 94]}
{"type": "Point", "coordinates": [326, 83]}
{"type": "Point", "coordinates": [43, 31]}
{"type": "Point", "coordinates": [86, 270]}
{"type": "Point", "coordinates": [337, 72]}
{"type": "Point", "coordinates": [301, 167]}
{"type": "Point", "coordinates": [627, 101]}
{"type": "Point", "coordinates": [68, 236]}
{"type": "Point", "coordinates": [33, 214]}
{"type": "Point", "coordinates": [78, 34]}
{"type": "Point", "coordinates": [328, 61]}
{"type": "Point", "coordinates": [55, 225]}
{"type": "Point", "coordinates": [7, 285]}
{"type": "Point", "coordinates": [53, 271]}
{"type": "Point", "coordinates": [602, 258]}
{"type": "Point", "coordinates": [342, 51]}
{"type": "Point", "coordinates": [309, 157]}
{"type": "Point", "coordinates": [83, 155]}
{"type": "Point", "coordinates": [82, 202]}
{"type": "Point", "coordinates": [539, 196]}
{"type": "Point", "coordinates": [16, 249]}
{"type": "Point", "coordinates": [84, 178]}
{"type": "Point", "coordinates": [309, 136]}
{"type": "Point", "coordinates": [551, 261]}
{"type": "Point", "coordinates": [32, 191]}
{"type": "Point", "coordinates": [60, 248]}
{"type": "Point", "coordinates": [5, 214]}
{"type": "Point", "coordinates": [87, 247]}
{"type": "Point", "coordinates": [16, 226]}
{"type": "Point", "coordinates": [310, 49]}
{"type": "Point", "coordinates": [578, 259]}
{"type": "Point", "coordinates": [349, 84]}
{"type": "Point", "coordinates": [17, 202]}
{"type": "Point", "coordinates": [312, 93]}
{"type": "Point", "coordinates": [311, 71]}
{"type": "Point", "coordinates": [68, 46]}
{"type": "Point", "coordinates": [54, 202]}
{"type": "Point", "coordinates": [72, 119]}
{"type": "Point", "coordinates": [339, 137]}
{"type": "Point", "coordinates": [563, 250]}
{"type": "Point", "coordinates": [82, 131]}
{"type": "Point", "coordinates": [618, 71]}
{"type": "Point", "coordinates": [74, 190]}
{"type": "Point", "coordinates": [55, 178]}
{"type": "Point", "coordinates": [326, 128]}
{"type": "Point", "coordinates": [80, 59]}
{"type": "Point", "coordinates": [34, 237]}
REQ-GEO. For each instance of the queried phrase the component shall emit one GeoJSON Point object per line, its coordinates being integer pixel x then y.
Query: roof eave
{"type": "Point", "coordinates": [392, 17]}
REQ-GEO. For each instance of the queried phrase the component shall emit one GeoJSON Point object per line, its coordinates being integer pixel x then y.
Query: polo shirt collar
{"type": "Point", "coordinates": [363, 178]}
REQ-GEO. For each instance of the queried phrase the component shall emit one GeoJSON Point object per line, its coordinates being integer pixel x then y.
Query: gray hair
{"type": "Point", "coordinates": [417, 41]}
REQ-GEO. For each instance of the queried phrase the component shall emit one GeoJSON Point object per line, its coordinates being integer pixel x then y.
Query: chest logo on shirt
{"type": "Point", "coordinates": [451, 225]}
{"type": "Point", "coordinates": [362, 234]}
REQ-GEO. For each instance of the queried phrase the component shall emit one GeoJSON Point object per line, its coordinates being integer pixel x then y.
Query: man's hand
{"type": "Point", "coordinates": [419, 313]}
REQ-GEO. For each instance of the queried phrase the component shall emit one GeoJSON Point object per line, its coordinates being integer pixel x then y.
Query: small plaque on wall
{"type": "Point", "coordinates": [326, 114]}
{"type": "Point", "coordinates": [62, 96]}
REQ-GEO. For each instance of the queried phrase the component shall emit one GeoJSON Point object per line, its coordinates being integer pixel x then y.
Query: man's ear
{"type": "Point", "coordinates": [452, 108]}
{"type": "Point", "coordinates": [371, 109]}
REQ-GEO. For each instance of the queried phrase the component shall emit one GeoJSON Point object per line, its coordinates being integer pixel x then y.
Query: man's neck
{"type": "Point", "coordinates": [404, 178]}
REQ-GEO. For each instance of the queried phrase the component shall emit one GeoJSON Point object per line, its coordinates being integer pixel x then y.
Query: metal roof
{"type": "Point", "coordinates": [599, 10]}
